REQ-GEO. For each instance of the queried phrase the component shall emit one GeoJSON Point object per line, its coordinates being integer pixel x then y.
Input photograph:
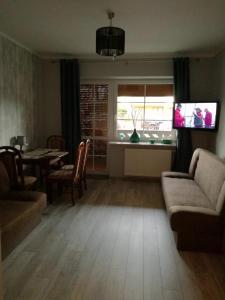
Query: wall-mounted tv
{"type": "Point", "coordinates": [196, 115]}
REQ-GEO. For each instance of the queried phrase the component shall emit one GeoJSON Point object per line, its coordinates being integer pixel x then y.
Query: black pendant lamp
{"type": "Point", "coordinates": [110, 41]}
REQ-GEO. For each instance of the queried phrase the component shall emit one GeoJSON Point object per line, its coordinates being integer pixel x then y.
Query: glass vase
{"type": "Point", "coordinates": [134, 138]}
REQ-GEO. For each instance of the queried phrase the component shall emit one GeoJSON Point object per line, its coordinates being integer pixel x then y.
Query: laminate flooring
{"type": "Point", "coordinates": [115, 243]}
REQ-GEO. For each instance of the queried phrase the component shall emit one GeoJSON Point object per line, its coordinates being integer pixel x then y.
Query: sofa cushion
{"type": "Point", "coordinates": [182, 192]}
{"type": "Point", "coordinates": [4, 179]}
{"type": "Point", "coordinates": [210, 175]}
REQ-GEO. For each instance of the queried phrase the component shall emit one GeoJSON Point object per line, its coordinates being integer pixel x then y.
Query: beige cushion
{"type": "Point", "coordinates": [61, 175]}
{"type": "Point", "coordinates": [210, 175]}
{"type": "Point", "coordinates": [184, 192]}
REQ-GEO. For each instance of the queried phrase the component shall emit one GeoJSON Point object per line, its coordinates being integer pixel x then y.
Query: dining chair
{"type": "Point", "coordinates": [12, 159]}
{"type": "Point", "coordinates": [56, 142]}
{"type": "Point", "coordinates": [87, 146]}
{"type": "Point", "coordinates": [68, 177]}
{"type": "Point", "coordinates": [83, 175]}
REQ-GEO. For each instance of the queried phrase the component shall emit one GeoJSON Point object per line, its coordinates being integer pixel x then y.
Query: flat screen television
{"type": "Point", "coordinates": [196, 115]}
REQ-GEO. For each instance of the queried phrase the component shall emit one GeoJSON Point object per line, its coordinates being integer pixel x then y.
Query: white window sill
{"type": "Point", "coordinates": [144, 144]}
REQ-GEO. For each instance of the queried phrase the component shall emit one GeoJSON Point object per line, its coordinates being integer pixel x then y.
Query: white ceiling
{"type": "Point", "coordinates": [153, 27]}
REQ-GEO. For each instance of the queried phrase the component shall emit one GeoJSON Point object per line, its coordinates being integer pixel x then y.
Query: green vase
{"type": "Point", "coordinates": [134, 138]}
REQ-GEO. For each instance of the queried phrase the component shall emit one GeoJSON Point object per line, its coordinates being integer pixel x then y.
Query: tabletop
{"type": "Point", "coordinates": [43, 153]}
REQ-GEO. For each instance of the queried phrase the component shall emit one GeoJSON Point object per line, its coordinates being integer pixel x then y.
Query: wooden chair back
{"type": "Point", "coordinates": [11, 158]}
{"type": "Point", "coordinates": [87, 146]}
{"type": "Point", "coordinates": [56, 142]}
{"type": "Point", "coordinates": [78, 165]}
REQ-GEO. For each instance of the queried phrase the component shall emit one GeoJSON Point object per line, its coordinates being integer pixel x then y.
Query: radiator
{"type": "Point", "coordinates": [146, 162]}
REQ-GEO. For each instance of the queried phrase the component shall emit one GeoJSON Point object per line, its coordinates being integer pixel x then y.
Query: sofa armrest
{"type": "Point", "coordinates": [195, 219]}
{"type": "Point", "coordinates": [176, 175]}
{"type": "Point", "coordinates": [23, 196]}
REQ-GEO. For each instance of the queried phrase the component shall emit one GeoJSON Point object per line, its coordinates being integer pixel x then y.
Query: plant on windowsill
{"type": "Point", "coordinates": [135, 112]}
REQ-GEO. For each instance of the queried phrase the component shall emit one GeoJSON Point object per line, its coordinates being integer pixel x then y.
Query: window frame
{"type": "Point", "coordinates": [99, 138]}
{"type": "Point", "coordinates": [161, 80]}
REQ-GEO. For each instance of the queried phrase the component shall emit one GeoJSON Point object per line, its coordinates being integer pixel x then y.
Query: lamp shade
{"type": "Point", "coordinates": [110, 41]}
{"type": "Point", "coordinates": [21, 140]}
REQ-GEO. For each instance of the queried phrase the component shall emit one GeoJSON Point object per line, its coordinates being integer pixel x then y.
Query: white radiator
{"type": "Point", "coordinates": [146, 162]}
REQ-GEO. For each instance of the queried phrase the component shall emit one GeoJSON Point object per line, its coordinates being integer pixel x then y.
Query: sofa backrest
{"type": "Point", "coordinates": [220, 207]}
{"type": "Point", "coordinates": [4, 179]}
{"type": "Point", "coordinates": [210, 176]}
{"type": "Point", "coordinates": [194, 162]}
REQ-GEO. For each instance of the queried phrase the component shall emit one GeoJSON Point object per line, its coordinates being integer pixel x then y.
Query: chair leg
{"type": "Point", "coordinates": [80, 189]}
{"type": "Point", "coordinates": [60, 189]}
{"type": "Point", "coordinates": [49, 192]}
{"type": "Point", "coordinates": [73, 194]}
{"type": "Point", "coordinates": [85, 183]}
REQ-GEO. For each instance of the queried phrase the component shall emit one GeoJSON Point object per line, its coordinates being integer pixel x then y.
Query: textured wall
{"type": "Point", "coordinates": [51, 104]}
{"type": "Point", "coordinates": [20, 93]}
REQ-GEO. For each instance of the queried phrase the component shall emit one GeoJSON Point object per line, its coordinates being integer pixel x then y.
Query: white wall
{"type": "Point", "coordinates": [220, 93]}
{"type": "Point", "coordinates": [202, 79]}
{"type": "Point", "coordinates": [202, 89]}
{"type": "Point", "coordinates": [115, 69]}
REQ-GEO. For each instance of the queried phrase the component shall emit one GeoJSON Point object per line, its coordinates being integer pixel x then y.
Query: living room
{"type": "Point", "coordinates": [116, 241]}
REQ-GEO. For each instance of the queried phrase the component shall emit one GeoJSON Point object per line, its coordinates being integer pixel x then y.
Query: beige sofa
{"type": "Point", "coordinates": [195, 203]}
{"type": "Point", "coordinates": [20, 212]}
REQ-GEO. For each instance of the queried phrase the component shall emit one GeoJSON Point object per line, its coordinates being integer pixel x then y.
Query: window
{"type": "Point", "coordinates": [146, 107]}
{"type": "Point", "coordinates": [94, 119]}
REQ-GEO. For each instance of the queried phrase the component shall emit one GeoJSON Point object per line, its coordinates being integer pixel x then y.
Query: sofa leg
{"type": "Point", "coordinates": [186, 241]}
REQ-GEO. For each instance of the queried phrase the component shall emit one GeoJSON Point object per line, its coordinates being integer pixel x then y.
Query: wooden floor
{"type": "Point", "coordinates": [114, 244]}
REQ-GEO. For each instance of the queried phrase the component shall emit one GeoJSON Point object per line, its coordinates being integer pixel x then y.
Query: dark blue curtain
{"type": "Point", "coordinates": [182, 93]}
{"type": "Point", "coordinates": [70, 104]}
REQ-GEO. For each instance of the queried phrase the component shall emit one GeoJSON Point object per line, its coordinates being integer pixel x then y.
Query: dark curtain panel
{"type": "Point", "coordinates": [70, 104]}
{"type": "Point", "coordinates": [182, 93]}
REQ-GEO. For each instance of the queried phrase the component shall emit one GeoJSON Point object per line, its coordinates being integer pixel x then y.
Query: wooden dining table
{"type": "Point", "coordinates": [43, 158]}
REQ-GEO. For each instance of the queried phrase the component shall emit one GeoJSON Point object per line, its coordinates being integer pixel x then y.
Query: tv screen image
{"type": "Point", "coordinates": [196, 115]}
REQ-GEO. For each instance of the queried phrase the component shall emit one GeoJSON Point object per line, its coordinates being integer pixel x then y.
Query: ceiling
{"type": "Point", "coordinates": [154, 28]}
